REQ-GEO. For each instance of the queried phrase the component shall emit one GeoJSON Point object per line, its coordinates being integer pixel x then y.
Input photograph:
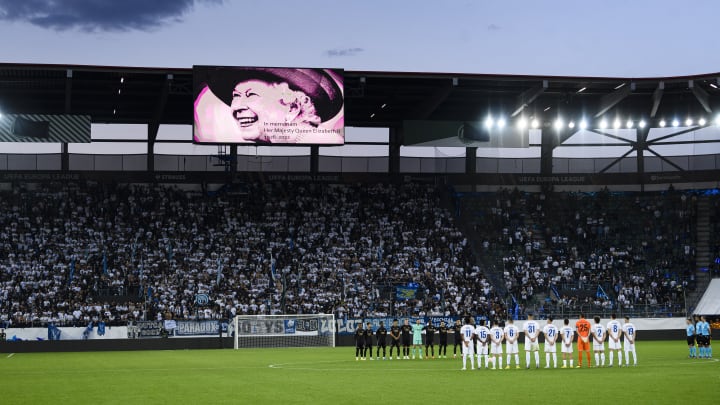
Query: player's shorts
{"type": "Point", "coordinates": [360, 345]}
{"type": "Point", "coordinates": [566, 348]}
{"type": "Point", "coordinates": [613, 345]}
{"type": "Point", "coordinates": [381, 343]}
{"type": "Point", "coordinates": [482, 349]}
{"type": "Point", "coordinates": [417, 340]}
{"type": "Point", "coordinates": [511, 348]}
{"type": "Point", "coordinates": [598, 347]}
{"type": "Point", "coordinates": [394, 342]}
{"type": "Point", "coordinates": [583, 346]}
{"type": "Point", "coordinates": [706, 340]}
{"type": "Point", "coordinates": [496, 348]}
{"type": "Point", "coordinates": [406, 341]}
{"type": "Point", "coordinates": [467, 349]}
{"type": "Point", "coordinates": [548, 348]}
{"type": "Point", "coordinates": [691, 340]}
{"type": "Point", "coordinates": [531, 346]}
{"type": "Point", "coordinates": [629, 347]}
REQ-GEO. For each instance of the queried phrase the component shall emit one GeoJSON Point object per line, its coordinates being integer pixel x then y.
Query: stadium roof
{"type": "Point", "coordinates": [373, 99]}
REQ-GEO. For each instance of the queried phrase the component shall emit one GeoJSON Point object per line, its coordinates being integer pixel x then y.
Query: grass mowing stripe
{"type": "Point", "coordinates": [664, 375]}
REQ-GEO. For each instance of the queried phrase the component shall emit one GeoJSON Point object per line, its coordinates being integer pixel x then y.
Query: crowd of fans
{"type": "Point", "coordinates": [78, 253]}
{"type": "Point", "coordinates": [589, 251]}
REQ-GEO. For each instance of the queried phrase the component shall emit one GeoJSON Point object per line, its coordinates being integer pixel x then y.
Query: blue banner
{"type": "Point", "coordinates": [197, 328]}
{"type": "Point", "coordinates": [406, 292]}
{"type": "Point", "coordinates": [53, 332]}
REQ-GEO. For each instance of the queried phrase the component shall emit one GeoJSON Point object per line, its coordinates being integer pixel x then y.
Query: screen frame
{"type": "Point", "coordinates": [201, 86]}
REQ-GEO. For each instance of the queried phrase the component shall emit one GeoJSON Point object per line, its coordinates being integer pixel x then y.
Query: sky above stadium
{"type": "Point", "coordinates": [628, 38]}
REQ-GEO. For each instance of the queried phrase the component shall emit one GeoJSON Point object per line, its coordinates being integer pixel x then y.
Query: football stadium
{"type": "Point", "coordinates": [256, 234]}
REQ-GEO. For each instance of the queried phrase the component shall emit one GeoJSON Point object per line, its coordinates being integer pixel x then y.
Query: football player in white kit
{"type": "Point", "coordinates": [630, 334]}
{"type": "Point", "coordinates": [532, 332]}
{"type": "Point", "coordinates": [614, 333]}
{"type": "Point", "coordinates": [496, 338]}
{"type": "Point", "coordinates": [512, 333]}
{"type": "Point", "coordinates": [483, 335]}
{"type": "Point", "coordinates": [567, 333]}
{"type": "Point", "coordinates": [598, 332]}
{"type": "Point", "coordinates": [467, 332]}
{"type": "Point", "coordinates": [551, 334]}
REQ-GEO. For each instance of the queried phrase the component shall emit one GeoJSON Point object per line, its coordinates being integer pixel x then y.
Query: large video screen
{"type": "Point", "coordinates": [254, 105]}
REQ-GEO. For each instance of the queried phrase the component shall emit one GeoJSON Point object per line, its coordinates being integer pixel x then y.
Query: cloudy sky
{"type": "Point", "coordinates": [629, 38]}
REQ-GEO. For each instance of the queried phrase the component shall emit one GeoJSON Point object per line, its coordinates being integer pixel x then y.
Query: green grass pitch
{"type": "Point", "coordinates": [332, 376]}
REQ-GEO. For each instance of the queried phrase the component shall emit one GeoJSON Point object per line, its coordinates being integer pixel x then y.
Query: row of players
{"type": "Point", "coordinates": [487, 342]}
{"type": "Point", "coordinates": [698, 330]}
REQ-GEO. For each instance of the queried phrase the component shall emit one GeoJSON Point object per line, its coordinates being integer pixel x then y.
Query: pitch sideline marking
{"type": "Point", "coordinates": [10, 355]}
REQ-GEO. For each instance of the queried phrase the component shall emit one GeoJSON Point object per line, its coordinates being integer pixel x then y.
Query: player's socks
{"type": "Point", "coordinates": [517, 361]}
{"type": "Point", "coordinates": [710, 352]}
{"type": "Point", "coordinates": [508, 360]}
{"type": "Point", "coordinates": [487, 358]}
{"type": "Point", "coordinates": [555, 359]}
{"type": "Point", "coordinates": [602, 359]}
{"type": "Point", "coordinates": [537, 359]}
{"type": "Point", "coordinates": [472, 362]}
{"type": "Point", "coordinates": [499, 359]}
{"type": "Point", "coordinates": [547, 359]}
{"type": "Point", "coordinates": [571, 363]}
{"type": "Point", "coordinates": [527, 359]}
{"type": "Point", "coordinates": [612, 356]}
{"type": "Point", "coordinates": [464, 361]}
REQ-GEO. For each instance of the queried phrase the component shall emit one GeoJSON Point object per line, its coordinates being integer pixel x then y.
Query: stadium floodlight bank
{"type": "Point", "coordinates": [317, 330]}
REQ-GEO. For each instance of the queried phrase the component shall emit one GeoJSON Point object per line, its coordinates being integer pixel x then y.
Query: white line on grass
{"type": "Point", "coordinates": [10, 355]}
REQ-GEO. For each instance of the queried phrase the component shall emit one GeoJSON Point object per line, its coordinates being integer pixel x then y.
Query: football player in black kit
{"type": "Point", "coordinates": [430, 330]}
{"type": "Point", "coordinates": [368, 340]}
{"type": "Point", "coordinates": [359, 342]}
{"type": "Point", "coordinates": [395, 338]}
{"type": "Point", "coordinates": [458, 340]}
{"type": "Point", "coordinates": [405, 331]}
{"type": "Point", "coordinates": [442, 347]}
{"type": "Point", "coordinates": [380, 335]}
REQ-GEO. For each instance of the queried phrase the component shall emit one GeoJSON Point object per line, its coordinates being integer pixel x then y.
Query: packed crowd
{"type": "Point", "coordinates": [75, 253]}
{"type": "Point", "coordinates": [591, 251]}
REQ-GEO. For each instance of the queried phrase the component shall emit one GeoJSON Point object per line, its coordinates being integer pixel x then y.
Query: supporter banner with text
{"type": "Point", "coordinates": [348, 326]}
{"type": "Point", "coordinates": [275, 327]}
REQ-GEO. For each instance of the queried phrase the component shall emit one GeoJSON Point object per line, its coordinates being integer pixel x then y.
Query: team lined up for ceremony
{"type": "Point", "coordinates": [484, 342]}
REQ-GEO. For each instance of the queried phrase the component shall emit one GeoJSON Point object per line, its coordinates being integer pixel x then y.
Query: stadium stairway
{"type": "Point", "coordinates": [702, 252]}
{"type": "Point", "coordinates": [485, 261]}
